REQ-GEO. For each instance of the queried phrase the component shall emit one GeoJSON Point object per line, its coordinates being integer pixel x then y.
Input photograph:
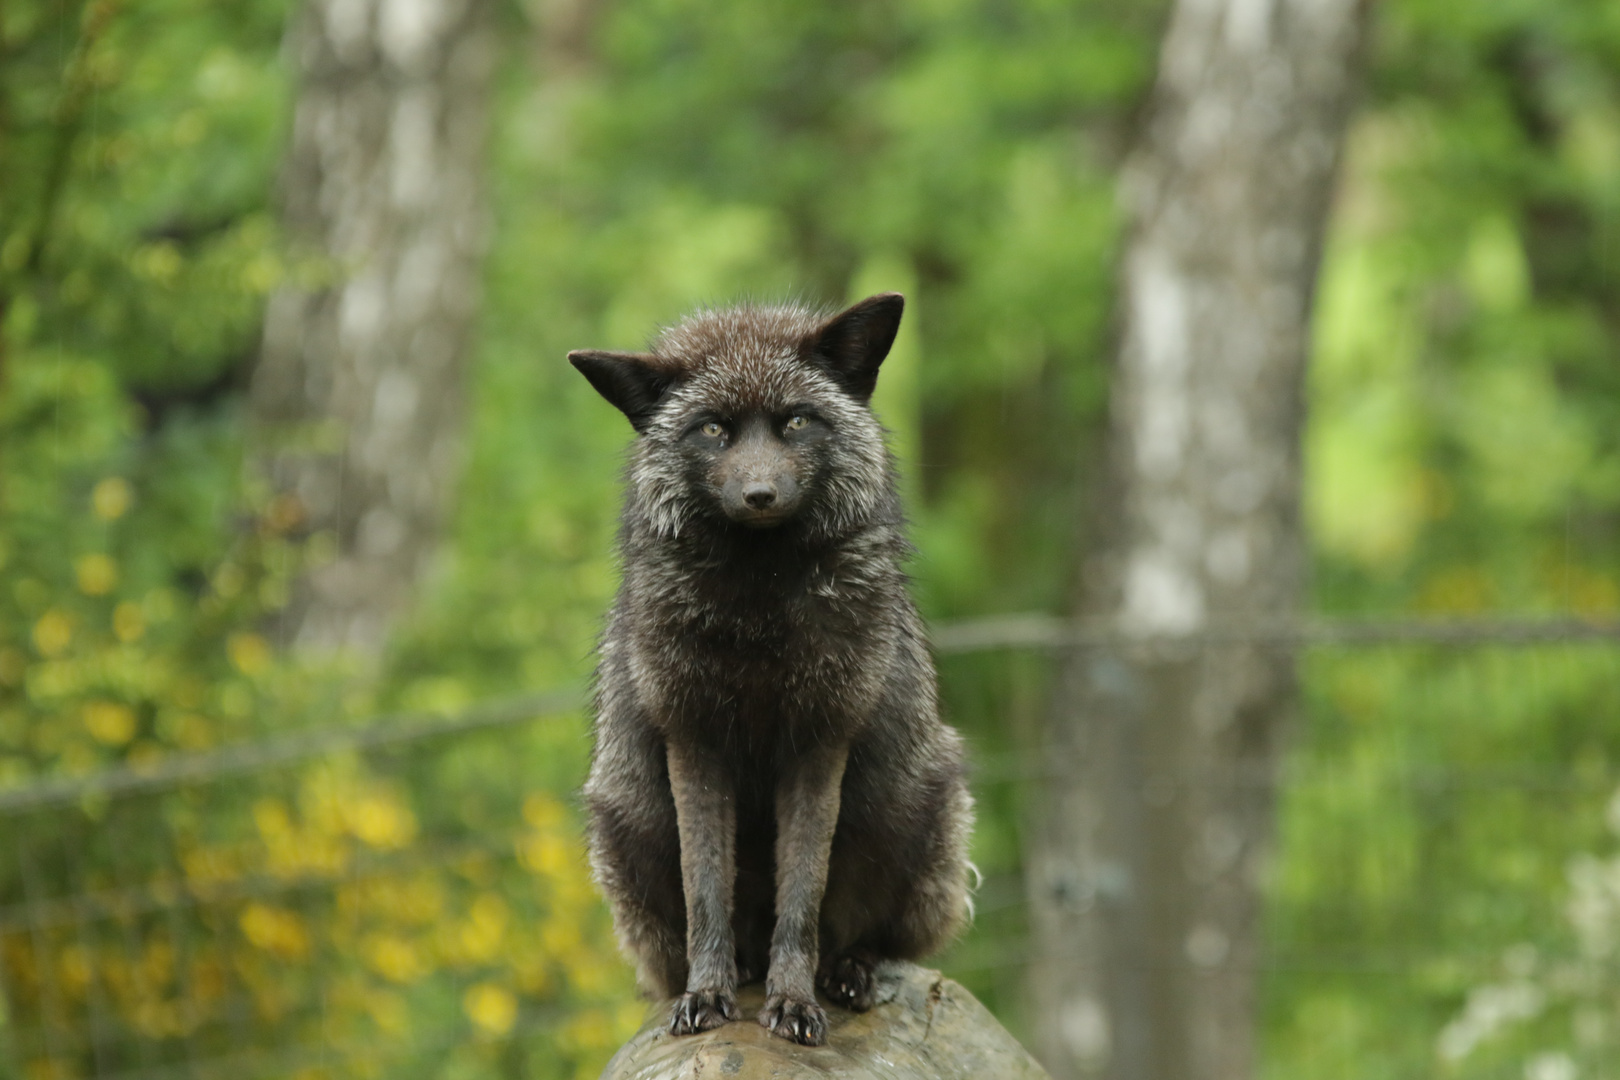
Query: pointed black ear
{"type": "Point", "coordinates": [854, 342]}
{"type": "Point", "coordinates": [630, 381]}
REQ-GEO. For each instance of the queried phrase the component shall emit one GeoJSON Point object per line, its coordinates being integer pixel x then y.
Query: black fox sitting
{"type": "Point", "coordinates": [772, 791]}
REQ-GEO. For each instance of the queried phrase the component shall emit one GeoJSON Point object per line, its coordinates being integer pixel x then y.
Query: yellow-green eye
{"type": "Point", "coordinates": [713, 430]}
{"type": "Point", "coordinates": [797, 423]}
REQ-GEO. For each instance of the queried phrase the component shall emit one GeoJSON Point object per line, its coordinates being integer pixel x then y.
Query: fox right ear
{"type": "Point", "coordinates": [852, 344]}
{"type": "Point", "coordinates": [631, 382]}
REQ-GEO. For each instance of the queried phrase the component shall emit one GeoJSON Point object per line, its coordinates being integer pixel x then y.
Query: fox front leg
{"type": "Point", "coordinates": [706, 819]}
{"type": "Point", "coordinates": [807, 797]}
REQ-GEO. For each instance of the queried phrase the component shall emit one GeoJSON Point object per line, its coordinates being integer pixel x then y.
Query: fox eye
{"type": "Point", "coordinates": [797, 423]}
{"type": "Point", "coordinates": [712, 429]}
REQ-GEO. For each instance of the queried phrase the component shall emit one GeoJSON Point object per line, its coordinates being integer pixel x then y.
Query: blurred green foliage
{"type": "Point", "coordinates": [1462, 456]}
{"type": "Point", "coordinates": [357, 916]}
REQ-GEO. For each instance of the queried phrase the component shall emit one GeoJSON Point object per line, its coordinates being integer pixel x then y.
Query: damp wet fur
{"type": "Point", "coordinates": [772, 792]}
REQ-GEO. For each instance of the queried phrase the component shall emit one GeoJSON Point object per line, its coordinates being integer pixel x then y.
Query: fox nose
{"type": "Point", "coordinates": [759, 496]}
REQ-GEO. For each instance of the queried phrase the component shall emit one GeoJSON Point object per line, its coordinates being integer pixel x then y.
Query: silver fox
{"type": "Point", "coordinates": [772, 792]}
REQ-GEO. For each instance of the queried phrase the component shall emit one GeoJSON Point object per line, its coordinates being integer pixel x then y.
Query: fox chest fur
{"type": "Point", "coordinates": [770, 644]}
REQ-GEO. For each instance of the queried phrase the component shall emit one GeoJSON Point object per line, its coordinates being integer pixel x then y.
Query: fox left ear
{"type": "Point", "coordinates": [852, 344]}
{"type": "Point", "coordinates": [630, 381]}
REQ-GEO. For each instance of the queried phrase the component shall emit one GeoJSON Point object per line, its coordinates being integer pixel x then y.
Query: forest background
{"type": "Point", "coordinates": [1445, 898]}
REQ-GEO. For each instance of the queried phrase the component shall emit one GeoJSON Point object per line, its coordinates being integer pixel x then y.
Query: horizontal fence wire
{"type": "Point", "coordinates": [151, 897]}
{"type": "Point", "coordinates": [206, 766]}
{"type": "Point", "coordinates": [1034, 631]}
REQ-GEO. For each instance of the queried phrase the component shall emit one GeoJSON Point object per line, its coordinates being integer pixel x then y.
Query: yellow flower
{"type": "Point", "coordinates": [273, 821]}
{"type": "Point", "coordinates": [276, 931]}
{"type": "Point", "coordinates": [395, 958]}
{"type": "Point", "coordinates": [53, 633]}
{"type": "Point", "coordinates": [128, 622]}
{"type": "Point", "coordinates": [98, 574]}
{"type": "Point", "coordinates": [382, 822]}
{"type": "Point", "coordinates": [482, 934]}
{"type": "Point", "coordinates": [75, 970]}
{"type": "Point", "coordinates": [111, 498]}
{"type": "Point", "coordinates": [110, 722]}
{"type": "Point", "coordinates": [543, 810]}
{"type": "Point", "coordinates": [493, 1008]}
{"type": "Point", "coordinates": [249, 653]}
{"type": "Point", "coordinates": [544, 854]}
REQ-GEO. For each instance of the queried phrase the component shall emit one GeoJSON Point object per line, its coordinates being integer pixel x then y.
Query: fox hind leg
{"type": "Point", "coordinates": [635, 857]}
{"type": "Point", "coordinates": [848, 978]}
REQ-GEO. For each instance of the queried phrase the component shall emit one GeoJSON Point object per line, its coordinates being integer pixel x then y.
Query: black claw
{"type": "Point", "coordinates": [848, 980]}
{"type": "Point", "coordinates": [701, 1010]}
{"type": "Point", "coordinates": [801, 1021]}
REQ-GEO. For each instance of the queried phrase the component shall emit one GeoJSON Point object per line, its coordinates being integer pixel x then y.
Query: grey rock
{"type": "Point", "coordinates": [924, 1027]}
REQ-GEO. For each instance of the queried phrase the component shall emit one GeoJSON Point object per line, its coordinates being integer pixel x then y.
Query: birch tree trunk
{"type": "Point", "coordinates": [1148, 863]}
{"type": "Point", "coordinates": [357, 399]}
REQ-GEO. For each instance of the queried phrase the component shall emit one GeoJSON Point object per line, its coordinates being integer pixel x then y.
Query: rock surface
{"type": "Point", "coordinates": [924, 1027]}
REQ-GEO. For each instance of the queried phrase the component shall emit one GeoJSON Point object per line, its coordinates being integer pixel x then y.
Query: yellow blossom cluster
{"type": "Point", "coordinates": [327, 919]}
{"type": "Point", "coordinates": [342, 928]}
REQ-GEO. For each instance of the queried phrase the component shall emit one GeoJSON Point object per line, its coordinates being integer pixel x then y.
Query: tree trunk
{"type": "Point", "coordinates": [1147, 867]}
{"type": "Point", "coordinates": [357, 397]}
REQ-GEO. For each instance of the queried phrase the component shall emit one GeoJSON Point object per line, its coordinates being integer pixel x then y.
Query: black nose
{"type": "Point", "coordinates": [759, 496]}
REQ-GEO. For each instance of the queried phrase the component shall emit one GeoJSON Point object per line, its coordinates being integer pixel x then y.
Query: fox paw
{"type": "Point", "coordinates": [701, 1010]}
{"type": "Point", "coordinates": [847, 980]}
{"type": "Point", "coordinates": [800, 1021]}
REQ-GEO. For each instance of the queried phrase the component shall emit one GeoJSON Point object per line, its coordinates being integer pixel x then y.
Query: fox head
{"type": "Point", "coordinates": [756, 416]}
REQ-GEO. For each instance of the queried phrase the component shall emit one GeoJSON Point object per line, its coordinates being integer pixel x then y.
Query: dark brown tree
{"type": "Point", "coordinates": [358, 394]}
{"type": "Point", "coordinates": [1148, 863]}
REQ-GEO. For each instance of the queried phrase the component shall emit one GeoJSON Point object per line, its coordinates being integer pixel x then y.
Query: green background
{"type": "Point", "coordinates": [1463, 457]}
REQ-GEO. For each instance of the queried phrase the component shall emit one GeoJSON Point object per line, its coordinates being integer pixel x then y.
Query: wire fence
{"type": "Point", "coordinates": [407, 896]}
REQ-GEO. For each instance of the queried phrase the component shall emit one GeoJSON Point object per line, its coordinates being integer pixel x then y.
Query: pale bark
{"type": "Point", "coordinates": [357, 399]}
{"type": "Point", "coordinates": [1149, 859]}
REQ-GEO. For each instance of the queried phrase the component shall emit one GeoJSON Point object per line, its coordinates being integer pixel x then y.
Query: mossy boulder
{"type": "Point", "coordinates": [924, 1027]}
